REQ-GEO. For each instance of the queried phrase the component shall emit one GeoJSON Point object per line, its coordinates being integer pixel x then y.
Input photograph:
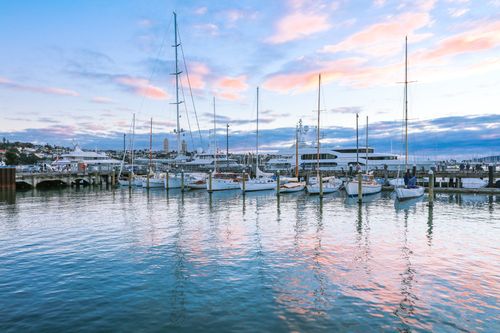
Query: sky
{"type": "Point", "coordinates": [76, 71]}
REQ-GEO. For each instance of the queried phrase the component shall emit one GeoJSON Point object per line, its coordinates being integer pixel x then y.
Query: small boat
{"type": "Point", "coordinates": [330, 185]}
{"type": "Point", "coordinates": [263, 181]}
{"type": "Point", "coordinates": [222, 181]}
{"type": "Point", "coordinates": [196, 180]}
{"type": "Point", "coordinates": [410, 190]}
{"type": "Point", "coordinates": [156, 181]}
{"type": "Point", "coordinates": [292, 187]}
{"type": "Point", "coordinates": [396, 182]}
{"type": "Point", "coordinates": [403, 193]}
{"type": "Point", "coordinates": [174, 181]}
{"type": "Point", "coordinates": [474, 183]}
{"type": "Point", "coordinates": [368, 186]}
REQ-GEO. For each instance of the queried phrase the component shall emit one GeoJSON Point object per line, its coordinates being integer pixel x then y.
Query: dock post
{"type": "Point", "coordinates": [147, 180]}
{"type": "Point", "coordinates": [431, 188]}
{"type": "Point", "coordinates": [167, 186]}
{"type": "Point", "coordinates": [278, 184]}
{"type": "Point", "coordinates": [209, 182]}
{"type": "Point", "coordinates": [182, 181]}
{"type": "Point", "coordinates": [113, 177]}
{"type": "Point", "coordinates": [244, 182]}
{"type": "Point", "coordinates": [459, 182]}
{"type": "Point", "coordinates": [414, 171]}
{"type": "Point", "coordinates": [320, 186]}
{"type": "Point", "coordinates": [386, 175]}
{"type": "Point", "coordinates": [360, 188]}
{"type": "Point", "coordinates": [491, 181]}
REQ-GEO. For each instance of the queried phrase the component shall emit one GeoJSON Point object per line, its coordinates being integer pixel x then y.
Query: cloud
{"type": "Point", "coordinates": [141, 87]}
{"type": "Point", "coordinates": [347, 109]}
{"type": "Point", "coordinates": [298, 26]}
{"type": "Point", "coordinates": [201, 10]}
{"type": "Point", "coordinates": [384, 38]}
{"type": "Point", "coordinates": [101, 100]}
{"type": "Point", "coordinates": [230, 87]}
{"type": "Point", "coordinates": [458, 12]}
{"type": "Point", "coordinates": [208, 28]}
{"type": "Point", "coordinates": [485, 36]}
{"type": "Point", "coordinates": [455, 136]}
{"type": "Point", "coordinates": [8, 84]}
{"type": "Point", "coordinates": [145, 23]}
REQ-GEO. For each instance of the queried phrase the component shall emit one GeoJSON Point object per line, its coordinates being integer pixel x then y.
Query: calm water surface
{"type": "Point", "coordinates": [97, 260]}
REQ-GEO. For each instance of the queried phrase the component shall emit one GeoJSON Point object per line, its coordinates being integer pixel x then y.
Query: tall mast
{"type": "Point", "coordinates": [366, 151]}
{"type": "Point", "coordinates": [227, 144]}
{"type": "Point", "coordinates": [132, 143]}
{"type": "Point", "coordinates": [215, 142]}
{"type": "Point", "coordinates": [319, 99]}
{"type": "Point", "coordinates": [357, 142]}
{"type": "Point", "coordinates": [297, 151]}
{"type": "Point", "coordinates": [177, 73]}
{"type": "Point", "coordinates": [257, 133]}
{"type": "Point", "coordinates": [406, 103]}
{"type": "Point", "coordinates": [151, 146]}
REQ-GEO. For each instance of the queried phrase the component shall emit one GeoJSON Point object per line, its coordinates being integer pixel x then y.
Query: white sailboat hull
{"type": "Point", "coordinates": [409, 193]}
{"type": "Point", "coordinates": [174, 181]}
{"type": "Point", "coordinates": [259, 185]}
{"type": "Point", "coordinates": [153, 183]}
{"type": "Point", "coordinates": [292, 187]}
{"type": "Point", "coordinates": [352, 188]}
{"type": "Point", "coordinates": [474, 183]}
{"type": "Point", "coordinates": [327, 188]}
{"type": "Point", "coordinates": [136, 181]}
{"type": "Point", "coordinates": [223, 184]}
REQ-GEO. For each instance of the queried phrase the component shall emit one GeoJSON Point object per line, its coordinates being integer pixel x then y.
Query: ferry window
{"type": "Point", "coordinates": [321, 156]}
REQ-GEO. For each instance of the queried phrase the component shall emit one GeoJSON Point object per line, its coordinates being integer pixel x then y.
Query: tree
{"type": "Point", "coordinates": [11, 157]}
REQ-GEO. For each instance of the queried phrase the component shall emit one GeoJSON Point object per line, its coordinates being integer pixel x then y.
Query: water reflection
{"type": "Point", "coordinates": [430, 224]}
{"type": "Point", "coordinates": [406, 308]}
{"type": "Point", "coordinates": [8, 196]}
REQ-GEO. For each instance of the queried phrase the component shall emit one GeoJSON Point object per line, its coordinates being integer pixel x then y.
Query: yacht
{"type": "Point", "coordinates": [79, 160]}
{"type": "Point", "coordinates": [368, 184]}
{"type": "Point", "coordinates": [335, 158]}
{"type": "Point", "coordinates": [208, 161]}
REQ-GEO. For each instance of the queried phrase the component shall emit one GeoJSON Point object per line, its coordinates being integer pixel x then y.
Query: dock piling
{"type": "Point", "coordinates": [491, 179]}
{"type": "Point", "coordinates": [360, 188]}
{"type": "Point", "coordinates": [278, 184]}
{"type": "Point", "coordinates": [182, 181]}
{"type": "Point", "coordinates": [321, 186]}
{"type": "Point", "coordinates": [431, 188]}
{"type": "Point", "coordinates": [209, 182]}
{"type": "Point", "coordinates": [243, 182]}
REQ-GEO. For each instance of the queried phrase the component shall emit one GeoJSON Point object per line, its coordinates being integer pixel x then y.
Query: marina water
{"type": "Point", "coordinates": [117, 260]}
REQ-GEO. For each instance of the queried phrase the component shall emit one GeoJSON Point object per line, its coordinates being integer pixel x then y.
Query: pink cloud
{"type": "Point", "coordinates": [349, 71]}
{"type": "Point", "coordinates": [298, 25]}
{"type": "Point", "coordinates": [42, 90]}
{"type": "Point", "coordinates": [485, 36]}
{"type": "Point", "coordinates": [237, 83]}
{"type": "Point", "coordinates": [384, 38]}
{"type": "Point", "coordinates": [141, 87]}
{"type": "Point", "coordinates": [230, 87]}
{"type": "Point", "coordinates": [197, 74]}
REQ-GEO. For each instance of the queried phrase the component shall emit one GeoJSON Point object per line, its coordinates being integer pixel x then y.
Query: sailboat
{"type": "Point", "coordinates": [132, 180]}
{"type": "Point", "coordinates": [221, 180]}
{"type": "Point", "coordinates": [262, 181]}
{"type": "Point", "coordinates": [368, 183]}
{"type": "Point", "coordinates": [316, 185]}
{"type": "Point", "coordinates": [294, 185]}
{"type": "Point", "coordinates": [174, 180]}
{"type": "Point", "coordinates": [410, 190]}
{"type": "Point", "coordinates": [153, 180]}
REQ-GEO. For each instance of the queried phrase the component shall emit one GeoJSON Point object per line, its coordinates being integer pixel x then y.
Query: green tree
{"type": "Point", "coordinates": [11, 157]}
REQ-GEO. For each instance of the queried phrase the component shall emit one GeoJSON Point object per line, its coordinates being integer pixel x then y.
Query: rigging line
{"type": "Point", "coordinates": [155, 65]}
{"type": "Point", "coordinates": [187, 115]}
{"type": "Point", "coordinates": [190, 88]}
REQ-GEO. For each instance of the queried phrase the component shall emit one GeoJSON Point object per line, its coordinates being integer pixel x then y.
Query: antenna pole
{"type": "Point", "coordinates": [319, 101]}
{"type": "Point", "coordinates": [227, 144]}
{"type": "Point", "coordinates": [406, 103]}
{"type": "Point", "coordinates": [176, 45]}
{"type": "Point", "coordinates": [357, 142]}
{"type": "Point", "coordinates": [151, 146]}
{"type": "Point", "coordinates": [215, 142]}
{"type": "Point", "coordinates": [257, 140]}
{"type": "Point", "coordinates": [366, 152]}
